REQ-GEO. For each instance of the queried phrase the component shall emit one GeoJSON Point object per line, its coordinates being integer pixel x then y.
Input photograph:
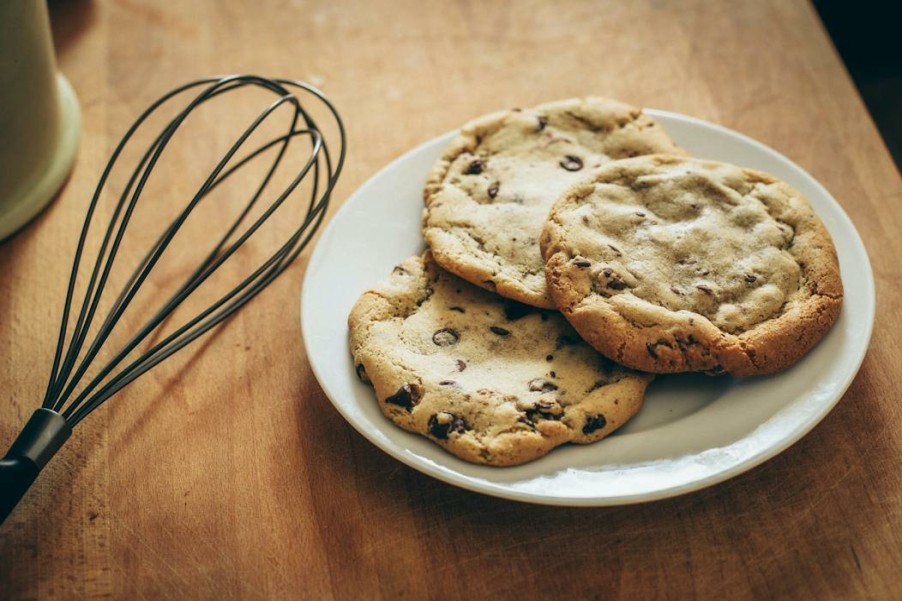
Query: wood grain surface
{"type": "Point", "coordinates": [227, 474]}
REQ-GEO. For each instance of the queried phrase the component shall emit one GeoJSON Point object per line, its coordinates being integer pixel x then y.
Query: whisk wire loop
{"type": "Point", "coordinates": [69, 399]}
{"type": "Point", "coordinates": [145, 169]}
{"type": "Point", "coordinates": [68, 377]}
{"type": "Point", "coordinates": [194, 281]}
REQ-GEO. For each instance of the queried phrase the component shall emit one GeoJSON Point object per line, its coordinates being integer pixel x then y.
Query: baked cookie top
{"type": "Point", "coordinates": [672, 264]}
{"type": "Point", "coordinates": [488, 196]}
{"type": "Point", "coordinates": [490, 380]}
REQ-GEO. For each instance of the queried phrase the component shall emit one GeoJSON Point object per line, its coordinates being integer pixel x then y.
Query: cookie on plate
{"type": "Point", "coordinates": [670, 264]}
{"type": "Point", "coordinates": [488, 196]}
{"type": "Point", "coordinates": [490, 380]}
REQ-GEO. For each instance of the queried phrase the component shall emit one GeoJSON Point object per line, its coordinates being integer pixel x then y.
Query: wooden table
{"type": "Point", "coordinates": [228, 474]}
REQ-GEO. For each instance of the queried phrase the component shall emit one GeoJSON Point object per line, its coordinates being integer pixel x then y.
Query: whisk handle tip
{"type": "Point", "coordinates": [38, 442]}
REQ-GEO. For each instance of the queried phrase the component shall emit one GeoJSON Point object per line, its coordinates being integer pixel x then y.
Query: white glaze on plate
{"type": "Point", "coordinates": [693, 432]}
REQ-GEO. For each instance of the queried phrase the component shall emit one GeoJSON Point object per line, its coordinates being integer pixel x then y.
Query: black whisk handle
{"type": "Point", "coordinates": [16, 476]}
{"type": "Point", "coordinates": [38, 442]}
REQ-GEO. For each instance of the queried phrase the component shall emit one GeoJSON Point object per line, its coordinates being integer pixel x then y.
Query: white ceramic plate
{"type": "Point", "coordinates": [694, 430]}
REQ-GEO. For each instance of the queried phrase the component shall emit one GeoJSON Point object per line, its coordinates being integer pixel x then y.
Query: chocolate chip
{"type": "Point", "coordinates": [534, 415]}
{"type": "Point", "coordinates": [552, 374]}
{"type": "Point", "coordinates": [750, 278]}
{"type": "Point", "coordinates": [617, 284]}
{"type": "Point", "coordinates": [514, 310]}
{"type": "Point", "coordinates": [500, 331]}
{"type": "Point", "coordinates": [717, 370]}
{"type": "Point", "coordinates": [407, 396]}
{"type": "Point", "coordinates": [650, 348]}
{"type": "Point", "coordinates": [461, 365]}
{"type": "Point", "coordinates": [544, 406]}
{"type": "Point", "coordinates": [543, 121]}
{"type": "Point", "coordinates": [447, 383]}
{"type": "Point", "coordinates": [445, 423]}
{"type": "Point", "coordinates": [596, 386]}
{"type": "Point", "coordinates": [705, 289]}
{"type": "Point", "coordinates": [593, 423]}
{"type": "Point", "coordinates": [571, 163]}
{"type": "Point", "coordinates": [475, 167]}
{"type": "Point", "coordinates": [544, 409]}
{"type": "Point", "coordinates": [446, 337]}
{"type": "Point", "coordinates": [608, 272]}
{"type": "Point", "coordinates": [541, 385]}
{"type": "Point", "coordinates": [457, 309]}
{"type": "Point", "coordinates": [361, 373]}
{"type": "Point", "coordinates": [582, 263]}
{"type": "Point", "coordinates": [493, 190]}
{"type": "Point", "coordinates": [549, 357]}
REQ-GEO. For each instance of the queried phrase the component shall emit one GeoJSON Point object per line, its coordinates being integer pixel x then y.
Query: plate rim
{"type": "Point", "coordinates": [488, 487]}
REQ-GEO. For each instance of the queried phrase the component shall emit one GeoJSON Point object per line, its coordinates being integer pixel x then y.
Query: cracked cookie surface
{"type": "Point", "coordinates": [670, 264]}
{"type": "Point", "coordinates": [488, 196]}
{"type": "Point", "coordinates": [491, 380]}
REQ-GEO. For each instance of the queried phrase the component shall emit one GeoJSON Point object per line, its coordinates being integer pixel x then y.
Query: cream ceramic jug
{"type": "Point", "coordinates": [39, 116]}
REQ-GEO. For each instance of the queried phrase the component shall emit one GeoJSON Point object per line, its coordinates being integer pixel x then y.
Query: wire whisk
{"type": "Point", "coordinates": [71, 393]}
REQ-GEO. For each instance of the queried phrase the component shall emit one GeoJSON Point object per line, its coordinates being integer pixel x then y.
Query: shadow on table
{"type": "Point", "coordinates": [866, 36]}
{"type": "Point", "coordinates": [765, 533]}
{"type": "Point", "coordinates": [68, 20]}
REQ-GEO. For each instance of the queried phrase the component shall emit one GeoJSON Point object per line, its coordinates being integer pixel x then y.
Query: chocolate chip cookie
{"type": "Point", "coordinates": [491, 380]}
{"type": "Point", "coordinates": [670, 264]}
{"type": "Point", "coordinates": [488, 196]}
